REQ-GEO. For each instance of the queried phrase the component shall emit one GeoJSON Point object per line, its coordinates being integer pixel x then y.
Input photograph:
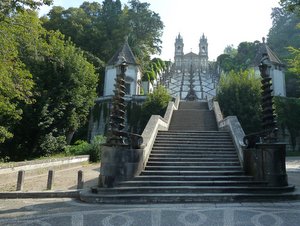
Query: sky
{"type": "Point", "coordinates": [223, 22]}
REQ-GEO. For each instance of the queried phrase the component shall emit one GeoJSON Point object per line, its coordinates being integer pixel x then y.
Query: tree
{"type": "Point", "coordinates": [7, 7]}
{"type": "Point", "coordinates": [284, 38]}
{"type": "Point", "coordinates": [239, 94]}
{"type": "Point", "coordinates": [101, 28]}
{"type": "Point", "coordinates": [16, 80]}
{"type": "Point", "coordinates": [240, 59]}
{"type": "Point", "coordinates": [288, 111]}
{"type": "Point", "coordinates": [230, 50]}
{"type": "Point", "coordinates": [64, 90]}
{"type": "Point", "coordinates": [291, 5]}
{"type": "Point", "coordinates": [225, 62]}
{"type": "Point", "coordinates": [246, 54]}
{"type": "Point", "coordinates": [145, 31]}
{"type": "Point", "coordinates": [294, 62]}
{"type": "Point", "coordinates": [283, 33]}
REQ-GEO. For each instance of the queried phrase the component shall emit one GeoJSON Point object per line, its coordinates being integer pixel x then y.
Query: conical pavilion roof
{"type": "Point", "coordinates": [124, 51]}
{"type": "Point", "coordinates": [264, 49]}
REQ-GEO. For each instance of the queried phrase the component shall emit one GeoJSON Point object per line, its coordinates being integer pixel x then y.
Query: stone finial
{"type": "Point", "coordinates": [121, 59]}
{"type": "Point", "coordinates": [126, 38]}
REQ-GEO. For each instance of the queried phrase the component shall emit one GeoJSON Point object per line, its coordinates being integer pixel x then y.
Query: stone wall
{"type": "Point", "coordinates": [100, 115]}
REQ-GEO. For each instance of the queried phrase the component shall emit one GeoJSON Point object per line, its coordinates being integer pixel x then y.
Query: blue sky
{"type": "Point", "coordinates": [224, 22]}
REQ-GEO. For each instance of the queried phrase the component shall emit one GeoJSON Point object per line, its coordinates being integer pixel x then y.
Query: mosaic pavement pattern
{"type": "Point", "coordinates": [69, 212]}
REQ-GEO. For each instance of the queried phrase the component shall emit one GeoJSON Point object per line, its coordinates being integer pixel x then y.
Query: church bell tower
{"type": "Point", "coordinates": [203, 53]}
{"type": "Point", "coordinates": [178, 51]}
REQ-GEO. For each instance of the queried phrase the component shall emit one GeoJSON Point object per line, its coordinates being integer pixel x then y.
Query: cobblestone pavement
{"type": "Point", "coordinates": [66, 212]}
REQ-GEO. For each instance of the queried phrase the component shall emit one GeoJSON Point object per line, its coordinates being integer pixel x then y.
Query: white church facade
{"type": "Point", "coordinates": [186, 62]}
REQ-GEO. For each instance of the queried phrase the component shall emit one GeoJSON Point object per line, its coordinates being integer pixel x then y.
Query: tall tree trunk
{"type": "Point", "coordinates": [69, 136]}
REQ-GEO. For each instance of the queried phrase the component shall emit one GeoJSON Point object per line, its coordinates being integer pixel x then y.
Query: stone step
{"type": "Point", "coordinates": [146, 198]}
{"type": "Point", "coordinates": [192, 172]}
{"type": "Point", "coordinates": [193, 178]}
{"type": "Point", "coordinates": [175, 183]}
{"type": "Point", "coordinates": [192, 132]}
{"type": "Point", "coordinates": [185, 163]}
{"type": "Point", "coordinates": [193, 189]}
{"type": "Point", "coordinates": [191, 154]}
{"type": "Point", "coordinates": [191, 143]}
{"type": "Point", "coordinates": [211, 139]}
{"type": "Point", "coordinates": [192, 168]}
{"type": "Point", "coordinates": [192, 105]}
{"type": "Point", "coordinates": [195, 127]}
{"type": "Point", "coordinates": [187, 159]}
{"type": "Point", "coordinates": [190, 140]}
{"type": "Point", "coordinates": [207, 135]}
{"type": "Point", "coordinates": [190, 119]}
{"type": "Point", "coordinates": [193, 150]}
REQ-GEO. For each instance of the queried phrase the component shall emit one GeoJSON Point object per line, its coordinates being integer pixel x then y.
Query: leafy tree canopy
{"type": "Point", "coordinates": [101, 28]}
{"type": "Point", "coordinates": [238, 59]}
{"type": "Point", "coordinates": [64, 88]}
{"type": "Point", "coordinates": [288, 111]}
{"type": "Point", "coordinates": [291, 5]}
{"type": "Point", "coordinates": [284, 32]}
{"type": "Point", "coordinates": [239, 94]}
{"type": "Point", "coordinates": [8, 7]}
{"type": "Point", "coordinates": [16, 80]}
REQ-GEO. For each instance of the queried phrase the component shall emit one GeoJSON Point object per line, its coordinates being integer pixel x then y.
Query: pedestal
{"type": "Point", "coordinates": [267, 162]}
{"type": "Point", "coordinates": [119, 164]}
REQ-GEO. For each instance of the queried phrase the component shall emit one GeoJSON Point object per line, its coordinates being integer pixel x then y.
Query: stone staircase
{"type": "Point", "coordinates": [193, 115]}
{"type": "Point", "coordinates": [192, 162]}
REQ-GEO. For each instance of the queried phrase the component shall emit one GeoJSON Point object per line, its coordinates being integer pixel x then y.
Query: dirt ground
{"type": "Point", "coordinates": [64, 179]}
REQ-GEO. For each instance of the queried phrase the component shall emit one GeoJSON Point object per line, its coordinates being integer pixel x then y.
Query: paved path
{"type": "Point", "coordinates": [65, 212]}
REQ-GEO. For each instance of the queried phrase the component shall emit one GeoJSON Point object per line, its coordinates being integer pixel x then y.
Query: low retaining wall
{"type": "Point", "coordinates": [232, 125]}
{"type": "Point", "coordinates": [6, 168]}
{"type": "Point", "coordinates": [155, 124]}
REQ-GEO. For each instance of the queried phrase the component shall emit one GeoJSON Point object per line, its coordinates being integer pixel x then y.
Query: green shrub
{"type": "Point", "coordinates": [239, 94]}
{"type": "Point", "coordinates": [288, 111]}
{"type": "Point", "coordinates": [92, 149]}
{"type": "Point", "coordinates": [96, 148]}
{"type": "Point", "coordinates": [155, 104]}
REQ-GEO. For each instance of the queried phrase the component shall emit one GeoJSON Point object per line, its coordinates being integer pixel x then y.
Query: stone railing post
{"type": "Point", "coordinates": [50, 179]}
{"type": "Point", "coordinates": [20, 180]}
